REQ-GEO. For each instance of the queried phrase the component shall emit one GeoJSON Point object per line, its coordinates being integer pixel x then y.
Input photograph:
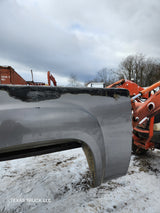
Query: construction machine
{"type": "Point", "coordinates": [145, 115]}
{"type": "Point", "coordinates": [146, 120]}
{"type": "Point", "coordinates": [131, 86]}
{"type": "Point", "coordinates": [51, 78]}
{"type": "Point", "coordinates": [9, 76]}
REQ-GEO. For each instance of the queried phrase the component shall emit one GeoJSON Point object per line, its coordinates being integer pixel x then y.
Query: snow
{"type": "Point", "coordinates": [60, 182]}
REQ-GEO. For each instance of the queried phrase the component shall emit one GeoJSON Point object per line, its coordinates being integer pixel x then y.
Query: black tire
{"type": "Point", "coordinates": [138, 151]}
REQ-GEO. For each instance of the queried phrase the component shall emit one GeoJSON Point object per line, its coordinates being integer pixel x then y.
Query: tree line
{"type": "Point", "coordinates": [138, 68]}
{"type": "Point", "coordinates": [142, 70]}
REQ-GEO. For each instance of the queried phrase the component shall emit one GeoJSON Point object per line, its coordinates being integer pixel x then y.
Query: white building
{"type": "Point", "coordinates": [96, 84]}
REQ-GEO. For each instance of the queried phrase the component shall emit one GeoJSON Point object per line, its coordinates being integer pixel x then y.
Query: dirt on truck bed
{"type": "Point", "coordinates": [60, 182]}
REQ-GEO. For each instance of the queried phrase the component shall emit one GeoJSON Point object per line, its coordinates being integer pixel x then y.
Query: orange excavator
{"type": "Point", "coordinates": [133, 88]}
{"type": "Point", "coordinates": [51, 78]}
{"type": "Point", "coordinates": [9, 76]}
{"type": "Point", "coordinates": [145, 115]}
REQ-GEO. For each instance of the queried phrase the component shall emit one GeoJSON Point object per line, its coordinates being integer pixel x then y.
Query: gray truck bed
{"type": "Point", "coordinates": [36, 120]}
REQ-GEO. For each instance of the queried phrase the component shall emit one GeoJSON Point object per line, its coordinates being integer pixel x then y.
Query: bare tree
{"type": "Point", "coordinates": [102, 75]}
{"type": "Point", "coordinates": [132, 67]}
{"type": "Point", "coordinates": [127, 67]}
{"type": "Point", "coordinates": [73, 82]}
{"type": "Point", "coordinates": [144, 71]}
{"type": "Point", "coordinates": [152, 71]}
{"type": "Point", "coordinates": [106, 75]}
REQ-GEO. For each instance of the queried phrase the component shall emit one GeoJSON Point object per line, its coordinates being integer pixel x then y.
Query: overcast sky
{"type": "Point", "coordinates": [76, 36]}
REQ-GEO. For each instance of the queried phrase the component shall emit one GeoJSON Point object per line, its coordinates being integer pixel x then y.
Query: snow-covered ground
{"type": "Point", "coordinates": [59, 183]}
